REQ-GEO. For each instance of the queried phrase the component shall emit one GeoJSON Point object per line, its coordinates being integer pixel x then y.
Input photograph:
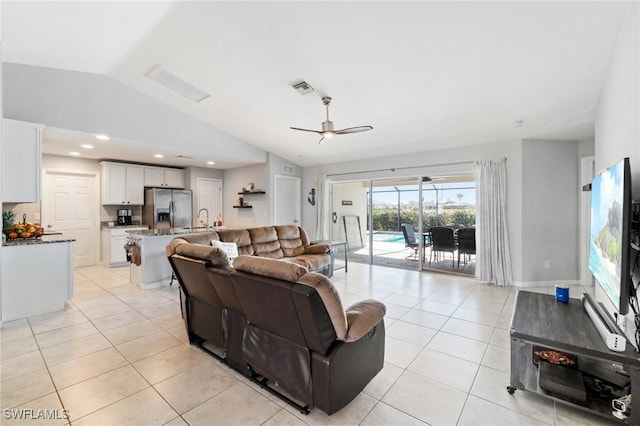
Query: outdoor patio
{"type": "Point", "coordinates": [389, 250]}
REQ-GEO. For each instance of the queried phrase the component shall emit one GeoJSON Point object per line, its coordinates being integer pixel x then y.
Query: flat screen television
{"type": "Point", "coordinates": [610, 250]}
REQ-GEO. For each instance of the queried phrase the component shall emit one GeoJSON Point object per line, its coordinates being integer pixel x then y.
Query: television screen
{"type": "Point", "coordinates": [609, 239]}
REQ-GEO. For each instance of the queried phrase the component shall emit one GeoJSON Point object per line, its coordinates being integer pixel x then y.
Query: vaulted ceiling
{"type": "Point", "coordinates": [425, 75]}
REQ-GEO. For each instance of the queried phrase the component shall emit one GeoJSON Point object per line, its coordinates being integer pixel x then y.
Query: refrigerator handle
{"type": "Point", "coordinates": [171, 214]}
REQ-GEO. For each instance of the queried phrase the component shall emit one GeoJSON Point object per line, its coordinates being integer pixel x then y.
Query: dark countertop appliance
{"type": "Point", "coordinates": [124, 217]}
{"type": "Point", "coordinates": [167, 208]}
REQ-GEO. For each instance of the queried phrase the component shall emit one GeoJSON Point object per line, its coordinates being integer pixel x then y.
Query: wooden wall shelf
{"type": "Point", "coordinates": [251, 192]}
{"type": "Point", "coordinates": [242, 207]}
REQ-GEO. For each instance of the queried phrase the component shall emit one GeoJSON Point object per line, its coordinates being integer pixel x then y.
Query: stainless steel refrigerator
{"type": "Point", "coordinates": [167, 208]}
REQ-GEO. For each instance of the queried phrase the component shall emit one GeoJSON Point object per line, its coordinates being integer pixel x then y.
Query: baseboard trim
{"type": "Point", "coordinates": [547, 283]}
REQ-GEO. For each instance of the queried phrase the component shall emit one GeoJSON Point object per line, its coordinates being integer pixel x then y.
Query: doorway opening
{"type": "Point", "coordinates": [389, 221]}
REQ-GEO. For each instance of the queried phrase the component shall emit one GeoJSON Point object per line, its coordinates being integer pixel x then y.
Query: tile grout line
{"type": "Point", "coordinates": [129, 363]}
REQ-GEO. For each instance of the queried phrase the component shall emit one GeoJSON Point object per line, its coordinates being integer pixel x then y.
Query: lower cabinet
{"type": "Point", "coordinates": [112, 241]}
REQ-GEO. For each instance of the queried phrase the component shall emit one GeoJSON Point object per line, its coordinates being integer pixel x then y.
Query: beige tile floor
{"type": "Point", "coordinates": [118, 355]}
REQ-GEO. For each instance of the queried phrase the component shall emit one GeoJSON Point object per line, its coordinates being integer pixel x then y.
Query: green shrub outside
{"type": "Point", "coordinates": [387, 219]}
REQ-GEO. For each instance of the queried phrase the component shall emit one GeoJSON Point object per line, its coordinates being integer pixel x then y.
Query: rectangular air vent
{"type": "Point", "coordinates": [287, 170]}
{"type": "Point", "coordinates": [171, 80]}
{"type": "Point", "coordinates": [302, 87]}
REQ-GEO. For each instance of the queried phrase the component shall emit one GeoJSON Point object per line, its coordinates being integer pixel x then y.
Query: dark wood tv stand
{"type": "Point", "coordinates": [539, 321]}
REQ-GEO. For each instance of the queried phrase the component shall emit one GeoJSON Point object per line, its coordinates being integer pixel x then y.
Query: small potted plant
{"type": "Point", "coordinates": [8, 222]}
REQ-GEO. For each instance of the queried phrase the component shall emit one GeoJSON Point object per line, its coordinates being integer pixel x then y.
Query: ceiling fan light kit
{"type": "Point", "coordinates": [327, 125]}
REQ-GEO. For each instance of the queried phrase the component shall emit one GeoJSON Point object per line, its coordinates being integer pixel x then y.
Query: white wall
{"type": "Point", "coordinates": [550, 211]}
{"type": "Point", "coordinates": [234, 181]}
{"type": "Point", "coordinates": [586, 147]}
{"type": "Point", "coordinates": [617, 133]}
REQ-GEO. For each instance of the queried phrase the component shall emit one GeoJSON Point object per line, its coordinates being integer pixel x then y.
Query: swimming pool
{"type": "Point", "coordinates": [388, 237]}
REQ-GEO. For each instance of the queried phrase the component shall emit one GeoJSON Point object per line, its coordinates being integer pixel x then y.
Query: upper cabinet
{"type": "Point", "coordinates": [122, 184]}
{"type": "Point", "coordinates": [21, 161]}
{"type": "Point", "coordinates": [164, 177]}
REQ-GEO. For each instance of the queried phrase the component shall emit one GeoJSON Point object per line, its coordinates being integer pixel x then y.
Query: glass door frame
{"type": "Point", "coordinates": [370, 183]}
{"type": "Point", "coordinates": [421, 247]}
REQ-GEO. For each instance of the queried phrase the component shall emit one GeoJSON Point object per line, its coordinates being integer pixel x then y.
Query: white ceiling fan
{"type": "Point", "coordinates": [327, 126]}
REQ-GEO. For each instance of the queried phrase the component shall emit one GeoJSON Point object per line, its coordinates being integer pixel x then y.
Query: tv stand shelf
{"type": "Point", "coordinates": [539, 321]}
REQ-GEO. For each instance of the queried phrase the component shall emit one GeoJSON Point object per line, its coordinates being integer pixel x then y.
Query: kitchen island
{"type": "Point", "coordinates": [154, 269]}
{"type": "Point", "coordinates": [37, 276]}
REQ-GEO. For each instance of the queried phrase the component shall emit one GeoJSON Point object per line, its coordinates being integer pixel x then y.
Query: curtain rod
{"type": "Point", "coordinates": [393, 169]}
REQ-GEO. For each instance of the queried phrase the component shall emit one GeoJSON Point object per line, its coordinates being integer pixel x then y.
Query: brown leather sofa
{"type": "Point", "coordinates": [279, 323]}
{"type": "Point", "coordinates": [284, 242]}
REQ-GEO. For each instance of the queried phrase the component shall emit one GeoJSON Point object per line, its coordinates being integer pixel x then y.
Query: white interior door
{"type": "Point", "coordinates": [208, 196]}
{"type": "Point", "coordinates": [71, 206]}
{"type": "Point", "coordinates": [287, 200]}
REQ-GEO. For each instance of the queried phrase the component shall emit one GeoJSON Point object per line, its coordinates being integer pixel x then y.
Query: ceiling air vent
{"type": "Point", "coordinates": [302, 87]}
{"type": "Point", "coordinates": [171, 80]}
{"type": "Point", "coordinates": [186, 157]}
{"type": "Point", "coordinates": [287, 170]}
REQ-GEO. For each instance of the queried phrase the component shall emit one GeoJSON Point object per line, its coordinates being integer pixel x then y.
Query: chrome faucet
{"type": "Point", "coordinates": [207, 212]}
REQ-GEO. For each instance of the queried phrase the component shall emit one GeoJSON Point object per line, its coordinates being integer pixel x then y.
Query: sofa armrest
{"type": "Point", "coordinates": [346, 370]}
{"type": "Point", "coordinates": [320, 248]}
{"type": "Point", "coordinates": [362, 317]}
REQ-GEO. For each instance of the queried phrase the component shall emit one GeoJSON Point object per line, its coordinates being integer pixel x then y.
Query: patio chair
{"type": "Point", "coordinates": [466, 243]}
{"type": "Point", "coordinates": [410, 239]}
{"type": "Point", "coordinates": [442, 240]}
{"type": "Point", "coordinates": [455, 227]}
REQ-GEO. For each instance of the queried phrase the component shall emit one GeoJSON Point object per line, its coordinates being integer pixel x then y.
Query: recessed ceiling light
{"type": "Point", "coordinates": [211, 163]}
{"type": "Point", "coordinates": [74, 153]}
{"type": "Point", "coordinates": [86, 146]}
{"type": "Point", "coordinates": [158, 155]}
{"type": "Point", "coordinates": [517, 123]}
{"type": "Point", "coordinates": [103, 137]}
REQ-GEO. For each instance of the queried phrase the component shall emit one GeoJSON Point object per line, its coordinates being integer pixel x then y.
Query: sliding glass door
{"type": "Point", "coordinates": [394, 205]}
{"type": "Point", "coordinates": [388, 221]}
{"type": "Point", "coordinates": [448, 202]}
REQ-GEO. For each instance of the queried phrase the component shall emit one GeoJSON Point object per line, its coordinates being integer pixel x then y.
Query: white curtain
{"type": "Point", "coordinates": [322, 205]}
{"type": "Point", "coordinates": [493, 259]}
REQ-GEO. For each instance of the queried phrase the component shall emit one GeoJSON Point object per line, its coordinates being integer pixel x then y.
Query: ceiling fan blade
{"type": "Point", "coordinates": [353, 130]}
{"type": "Point", "coordinates": [306, 130]}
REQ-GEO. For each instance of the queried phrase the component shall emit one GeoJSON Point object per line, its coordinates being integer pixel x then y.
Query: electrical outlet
{"type": "Point", "coordinates": [547, 264]}
{"type": "Point", "coordinates": [36, 216]}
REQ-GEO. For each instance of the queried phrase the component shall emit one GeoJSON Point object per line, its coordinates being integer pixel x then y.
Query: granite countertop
{"type": "Point", "coordinates": [45, 239]}
{"type": "Point", "coordinates": [122, 226]}
{"type": "Point", "coordinates": [171, 231]}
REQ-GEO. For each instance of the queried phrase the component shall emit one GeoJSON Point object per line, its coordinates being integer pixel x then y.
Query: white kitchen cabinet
{"type": "Point", "coordinates": [162, 177]}
{"type": "Point", "coordinates": [112, 241]}
{"type": "Point", "coordinates": [21, 161]}
{"type": "Point", "coordinates": [135, 185]}
{"type": "Point", "coordinates": [174, 178]}
{"type": "Point", "coordinates": [122, 184]}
